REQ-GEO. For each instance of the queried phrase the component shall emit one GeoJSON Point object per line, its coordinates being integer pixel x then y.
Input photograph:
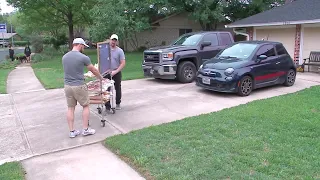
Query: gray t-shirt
{"type": "Point", "coordinates": [73, 65]}
{"type": "Point", "coordinates": [117, 54]}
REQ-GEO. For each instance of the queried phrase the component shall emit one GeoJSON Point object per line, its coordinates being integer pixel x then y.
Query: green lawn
{"type": "Point", "coordinates": [11, 171]}
{"type": "Point", "coordinates": [5, 69]}
{"type": "Point", "coordinates": [276, 138]}
{"type": "Point", "coordinates": [50, 72]}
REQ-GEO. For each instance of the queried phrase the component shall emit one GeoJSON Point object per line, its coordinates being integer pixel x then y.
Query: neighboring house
{"type": "Point", "coordinates": [164, 31]}
{"type": "Point", "coordinates": [295, 24]}
{"type": "Point", "coordinates": [8, 36]}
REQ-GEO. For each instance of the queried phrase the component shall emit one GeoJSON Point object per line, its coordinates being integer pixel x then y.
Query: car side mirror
{"type": "Point", "coordinates": [205, 43]}
{"type": "Point", "coordinates": [262, 57]}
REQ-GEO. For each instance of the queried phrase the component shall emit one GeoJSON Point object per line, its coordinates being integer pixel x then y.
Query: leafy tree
{"type": "Point", "coordinates": [124, 17]}
{"type": "Point", "coordinates": [54, 14]}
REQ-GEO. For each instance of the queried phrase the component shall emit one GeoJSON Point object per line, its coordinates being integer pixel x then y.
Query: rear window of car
{"type": "Point", "coordinates": [281, 49]}
{"type": "Point", "coordinates": [225, 39]}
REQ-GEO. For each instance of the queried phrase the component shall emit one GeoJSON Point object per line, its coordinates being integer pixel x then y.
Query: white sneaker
{"type": "Point", "coordinates": [74, 133]}
{"type": "Point", "coordinates": [118, 107]}
{"type": "Point", "coordinates": [88, 131]}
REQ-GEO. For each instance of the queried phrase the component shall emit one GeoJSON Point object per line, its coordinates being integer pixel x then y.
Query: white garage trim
{"type": "Point", "coordinates": [275, 27]}
{"type": "Point", "coordinates": [301, 45]}
{"type": "Point", "coordinates": [275, 23]}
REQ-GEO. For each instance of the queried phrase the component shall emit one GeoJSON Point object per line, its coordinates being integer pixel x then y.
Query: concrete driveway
{"type": "Point", "coordinates": [34, 123]}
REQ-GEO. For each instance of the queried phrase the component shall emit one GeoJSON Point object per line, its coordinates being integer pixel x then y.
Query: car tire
{"type": "Point", "coordinates": [246, 86]}
{"type": "Point", "coordinates": [186, 72]}
{"type": "Point", "coordinates": [290, 78]}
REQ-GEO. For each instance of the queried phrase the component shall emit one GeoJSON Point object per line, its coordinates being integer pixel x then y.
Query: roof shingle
{"type": "Point", "coordinates": [299, 10]}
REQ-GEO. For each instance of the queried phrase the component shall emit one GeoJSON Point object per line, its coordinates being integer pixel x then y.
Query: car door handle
{"type": "Point", "coordinates": [278, 63]}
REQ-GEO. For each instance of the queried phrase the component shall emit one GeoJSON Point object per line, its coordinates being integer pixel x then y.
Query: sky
{"type": "Point", "coordinates": [4, 7]}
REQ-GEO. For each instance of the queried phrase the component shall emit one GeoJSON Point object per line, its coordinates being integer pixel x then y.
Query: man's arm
{"type": "Point", "coordinates": [91, 68]}
{"type": "Point", "coordinates": [122, 63]}
{"type": "Point", "coordinates": [94, 71]}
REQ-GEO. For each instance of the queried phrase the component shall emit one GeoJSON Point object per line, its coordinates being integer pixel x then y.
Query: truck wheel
{"type": "Point", "coordinates": [186, 72]}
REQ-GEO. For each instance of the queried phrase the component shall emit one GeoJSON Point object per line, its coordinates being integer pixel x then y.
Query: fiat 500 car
{"type": "Point", "coordinates": [247, 65]}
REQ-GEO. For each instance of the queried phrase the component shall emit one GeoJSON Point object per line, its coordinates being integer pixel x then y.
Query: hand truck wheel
{"type": "Point", "coordinates": [113, 110]}
{"type": "Point", "coordinates": [103, 123]}
{"type": "Point", "coordinates": [99, 110]}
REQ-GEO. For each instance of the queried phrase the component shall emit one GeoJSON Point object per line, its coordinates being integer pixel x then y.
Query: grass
{"type": "Point", "coordinates": [11, 171]}
{"type": "Point", "coordinates": [276, 138]}
{"type": "Point", "coordinates": [5, 68]}
{"type": "Point", "coordinates": [50, 72]}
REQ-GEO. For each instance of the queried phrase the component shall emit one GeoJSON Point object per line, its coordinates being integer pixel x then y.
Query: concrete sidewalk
{"type": "Point", "coordinates": [40, 126]}
{"type": "Point", "coordinates": [22, 79]}
{"type": "Point", "coordinates": [87, 162]}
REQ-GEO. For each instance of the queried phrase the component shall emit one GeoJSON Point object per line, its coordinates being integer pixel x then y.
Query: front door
{"type": "Point", "coordinates": [211, 51]}
{"type": "Point", "coordinates": [265, 71]}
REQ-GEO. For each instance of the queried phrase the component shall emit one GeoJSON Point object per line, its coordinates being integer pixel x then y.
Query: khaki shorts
{"type": "Point", "coordinates": [76, 94]}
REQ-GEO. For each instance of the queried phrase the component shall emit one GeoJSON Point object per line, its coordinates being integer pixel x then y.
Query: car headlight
{"type": "Point", "coordinates": [229, 71]}
{"type": "Point", "coordinates": [201, 66]}
{"type": "Point", "coordinates": [167, 56]}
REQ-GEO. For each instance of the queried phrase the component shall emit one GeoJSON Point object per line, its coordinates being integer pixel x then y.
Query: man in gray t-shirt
{"type": "Point", "coordinates": [74, 86]}
{"type": "Point", "coordinates": [117, 64]}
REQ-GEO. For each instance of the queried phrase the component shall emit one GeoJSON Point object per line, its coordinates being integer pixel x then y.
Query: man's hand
{"type": "Point", "coordinates": [113, 73]}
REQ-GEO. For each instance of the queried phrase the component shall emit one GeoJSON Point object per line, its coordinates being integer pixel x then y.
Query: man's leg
{"type": "Point", "coordinates": [70, 118]}
{"type": "Point", "coordinates": [85, 116]}
{"type": "Point", "coordinates": [84, 100]}
{"type": "Point", "coordinates": [117, 83]}
{"type": "Point", "coordinates": [71, 102]}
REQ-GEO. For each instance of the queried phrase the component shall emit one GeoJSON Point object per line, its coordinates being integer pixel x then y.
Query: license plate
{"type": "Point", "coordinates": [205, 80]}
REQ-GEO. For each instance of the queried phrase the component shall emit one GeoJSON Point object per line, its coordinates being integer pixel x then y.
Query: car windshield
{"type": "Point", "coordinates": [239, 51]}
{"type": "Point", "coordinates": [188, 40]}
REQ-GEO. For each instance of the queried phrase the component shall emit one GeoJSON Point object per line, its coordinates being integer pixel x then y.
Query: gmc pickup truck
{"type": "Point", "coordinates": [181, 59]}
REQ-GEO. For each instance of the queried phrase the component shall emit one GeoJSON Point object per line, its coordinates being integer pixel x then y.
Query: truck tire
{"type": "Point", "coordinates": [186, 72]}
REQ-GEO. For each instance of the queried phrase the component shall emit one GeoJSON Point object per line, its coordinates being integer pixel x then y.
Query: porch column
{"type": "Point", "coordinates": [250, 32]}
{"type": "Point", "coordinates": [297, 44]}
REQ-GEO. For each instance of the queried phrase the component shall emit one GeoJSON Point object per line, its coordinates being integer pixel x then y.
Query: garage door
{"type": "Point", "coordinates": [284, 35]}
{"type": "Point", "coordinates": [311, 40]}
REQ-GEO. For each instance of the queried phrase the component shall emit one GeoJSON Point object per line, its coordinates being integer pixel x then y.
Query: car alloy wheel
{"type": "Point", "coordinates": [291, 77]}
{"type": "Point", "coordinates": [188, 73]}
{"type": "Point", "coordinates": [246, 86]}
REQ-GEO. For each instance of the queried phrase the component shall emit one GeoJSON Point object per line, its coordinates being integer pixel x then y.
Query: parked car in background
{"type": "Point", "coordinates": [248, 65]}
{"type": "Point", "coordinates": [4, 43]}
{"type": "Point", "coordinates": [181, 59]}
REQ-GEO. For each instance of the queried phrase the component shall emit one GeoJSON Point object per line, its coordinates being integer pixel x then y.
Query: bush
{"type": "Point", "coordinates": [58, 41]}
{"type": "Point", "coordinates": [38, 58]}
{"type": "Point", "coordinates": [20, 43]}
{"type": "Point", "coordinates": [141, 48]}
{"type": "Point", "coordinates": [37, 44]}
{"type": "Point", "coordinates": [8, 64]}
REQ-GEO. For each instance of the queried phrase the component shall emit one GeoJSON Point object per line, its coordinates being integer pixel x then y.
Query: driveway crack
{"type": "Point", "coordinates": [16, 112]}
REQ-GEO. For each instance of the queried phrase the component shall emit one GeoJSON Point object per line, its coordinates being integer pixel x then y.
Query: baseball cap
{"type": "Point", "coordinates": [114, 36]}
{"type": "Point", "coordinates": [79, 41]}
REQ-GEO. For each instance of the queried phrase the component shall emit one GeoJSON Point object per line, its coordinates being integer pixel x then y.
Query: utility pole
{"type": "Point", "coordinates": [11, 33]}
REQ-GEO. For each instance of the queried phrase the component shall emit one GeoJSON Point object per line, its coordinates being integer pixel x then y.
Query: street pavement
{"type": "Point", "coordinates": [5, 51]}
{"type": "Point", "coordinates": [35, 130]}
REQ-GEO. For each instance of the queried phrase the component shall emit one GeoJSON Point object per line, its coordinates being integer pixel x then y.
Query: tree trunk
{"type": "Point", "coordinates": [70, 26]}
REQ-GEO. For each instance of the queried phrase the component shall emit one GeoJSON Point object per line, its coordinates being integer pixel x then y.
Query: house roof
{"type": "Point", "coordinates": [6, 35]}
{"type": "Point", "coordinates": [296, 12]}
{"type": "Point", "coordinates": [165, 17]}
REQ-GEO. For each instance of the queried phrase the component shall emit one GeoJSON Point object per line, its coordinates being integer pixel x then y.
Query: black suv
{"type": "Point", "coordinates": [182, 59]}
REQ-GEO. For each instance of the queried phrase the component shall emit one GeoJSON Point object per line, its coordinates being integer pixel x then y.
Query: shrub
{"type": "Point", "coordinates": [20, 43]}
{"type": "Point", "coordinates": [58, 41]}
{"type": "Point", "coordinates": [37, 44]}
